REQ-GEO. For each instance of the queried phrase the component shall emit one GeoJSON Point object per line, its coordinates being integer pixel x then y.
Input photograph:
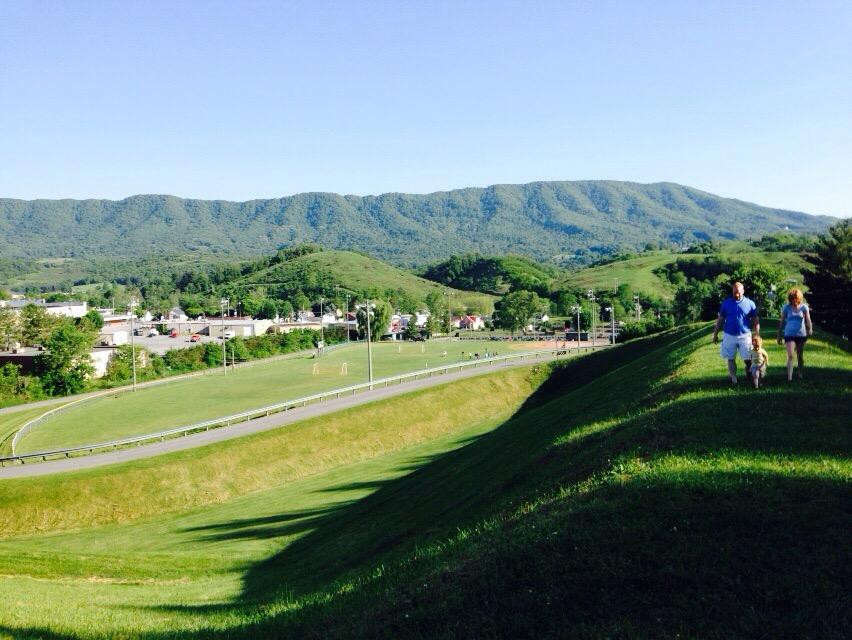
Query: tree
{"type": "Point", "coordinates": [380, 315]}
{"type": "Point", "coordinates": [301, 302]}
{"type": "Point", "coordinates": [268, 309]}
{"type": "Point", "coordinates": [36, 325]}
{"type": "Point", "coordinates": [411, 331]}
{"type": "Point", "coordinates": [10, 328]}
{"type": "Point", "coordinates": [762, 282]}
{"type": "Point", "coordinates": [514, 310]}
{"type": "Point", "coordinates": [93, 319]}
{"type": "Point", "coordinates": [120, 365]}
{"type": "Point", "coordinates": [432, 325]}
{"type": "Point", "coordinates": [285, 309]}
{"type": "Point", "coordinates": [65, 365]}
{"type": "Point", "coordinates": [830, 284]}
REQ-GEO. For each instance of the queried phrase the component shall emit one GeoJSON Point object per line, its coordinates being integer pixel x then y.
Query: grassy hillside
{"type": "Point", "coordinates": [639, 273]}
{"type": "Point", "coordinates": [632, 494]}
{"type": "Point", "coordinates": [357, 272]}
{"type": "Point", "coordinates": [542, 220]}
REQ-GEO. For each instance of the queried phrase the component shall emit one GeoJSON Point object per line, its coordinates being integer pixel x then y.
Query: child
{"type": "Point", "coordinates": [759, 360]}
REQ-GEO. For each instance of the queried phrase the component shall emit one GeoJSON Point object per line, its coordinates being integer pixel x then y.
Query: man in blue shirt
{"type": "Point", "coordinates": [738, 316]}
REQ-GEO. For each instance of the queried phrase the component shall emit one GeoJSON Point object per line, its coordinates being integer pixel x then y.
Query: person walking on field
{"type": "Point", "coordinates": [738, 317]}
{"type": "Point", "coordinates": [796, 328]}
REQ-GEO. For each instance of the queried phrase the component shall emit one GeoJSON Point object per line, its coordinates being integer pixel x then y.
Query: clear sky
{"type": "Point", "coordinates": [241, 99]}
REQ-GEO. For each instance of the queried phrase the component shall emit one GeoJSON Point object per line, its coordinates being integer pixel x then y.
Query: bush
{"type": "Point", "coordinates": [635, 329]}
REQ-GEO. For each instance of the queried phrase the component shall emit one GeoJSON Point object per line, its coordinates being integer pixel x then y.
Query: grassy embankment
{"type": "Point", "coordinates": [639, 272]}
{"type": "Point", "coordinates": [192, 400]}
{"type": "Point", "coordinates": [633, 494]}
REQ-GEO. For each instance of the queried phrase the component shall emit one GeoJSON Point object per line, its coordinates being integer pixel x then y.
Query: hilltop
{"type": "Point", "coordinates": [548, 221]}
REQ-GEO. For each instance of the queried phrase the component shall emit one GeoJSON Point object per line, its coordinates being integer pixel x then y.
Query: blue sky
{"type": "Point", "coordinates": [241, 100]}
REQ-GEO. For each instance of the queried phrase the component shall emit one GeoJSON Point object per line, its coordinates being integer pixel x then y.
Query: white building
{"type": "Point", "coordinates": [69, 309]}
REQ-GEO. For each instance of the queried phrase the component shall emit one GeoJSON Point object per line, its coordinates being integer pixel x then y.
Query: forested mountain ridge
{"type": "Point", "coordinates": [543, 220]}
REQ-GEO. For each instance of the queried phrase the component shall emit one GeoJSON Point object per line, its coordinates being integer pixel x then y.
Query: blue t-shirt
{"type": "Point", "coordinates": [738, 315]}
{"type": "Point", "coordinates": [794, 320]}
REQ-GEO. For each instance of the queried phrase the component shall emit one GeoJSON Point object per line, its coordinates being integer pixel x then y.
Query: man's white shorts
{"type": "Point", "coordinates": [732, 344]}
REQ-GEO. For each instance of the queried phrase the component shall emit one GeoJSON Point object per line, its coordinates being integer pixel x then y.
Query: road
{"type": "Point", "coordinates": [258, 425]}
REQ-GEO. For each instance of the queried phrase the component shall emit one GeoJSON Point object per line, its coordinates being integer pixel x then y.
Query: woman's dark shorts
{"type": "Point", "coordinates": [796, 339]}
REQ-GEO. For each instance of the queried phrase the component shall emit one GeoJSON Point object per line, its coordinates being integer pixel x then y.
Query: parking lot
{"type": "Point", "coordinates": [161, 344]}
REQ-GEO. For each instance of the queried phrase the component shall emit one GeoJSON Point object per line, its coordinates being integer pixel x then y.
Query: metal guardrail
{"type": "Point", "coordinates": [284, 406]}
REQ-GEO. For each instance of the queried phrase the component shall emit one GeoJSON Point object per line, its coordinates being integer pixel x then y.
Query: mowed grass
{"type": "Point", "coordinates": [639, 272]}
{"type": "Point", "coordinates": [10, 423]}
{"type": "Point", "coordinates": [193, 400]}
{"type": "Point", "coordinates": [632, 493]}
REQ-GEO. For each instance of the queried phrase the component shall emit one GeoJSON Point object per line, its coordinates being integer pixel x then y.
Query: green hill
{"type": "Point", "coordinates": [638, 272]}
{"type": "Point", "coordinates": [631, 493]}
{"type": "Point", "coordinates": [355, 272]}
{"type": "Point", "coordinates": [574, 221]}
{"type": "Point", "coordinates": [492, 274]}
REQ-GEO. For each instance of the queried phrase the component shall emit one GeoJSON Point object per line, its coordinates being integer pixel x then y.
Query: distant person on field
{"type": "Point", "coordinates": [759, 360]}
{"type": "Point", "coordinates": [738, 317]}
{"type": "Point", "coordinates": [796, 328]}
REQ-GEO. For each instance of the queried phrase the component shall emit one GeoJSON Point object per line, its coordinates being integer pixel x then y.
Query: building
{"type": "Point", "coordinates": [69, 308]}
{"type": "Point", "coordinates": [113, 336]}
{"type": "Point", "coordinates": [176, 314]}
{"type": "Point", "coordinates": [469, 322]}
{"type": "Point", "coordinates": [242, 327]}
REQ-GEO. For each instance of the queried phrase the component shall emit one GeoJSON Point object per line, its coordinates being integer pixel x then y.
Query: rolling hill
{"type": "Point", "coordinates": [355, 272]}
{"type": "Point", "coordinates": [543, 220]}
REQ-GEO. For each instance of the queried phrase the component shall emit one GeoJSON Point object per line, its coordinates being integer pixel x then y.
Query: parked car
{"type": "Point", "coordinates": [229, 334]}
{"type": "Point", "coordinates": [173, 333]}
{"type": "Point", "coordinates": [153, 333]}
{"type": "Point", "coordinates": [195, 338]}
{"type": "Point", "coordinates": [139, 332]}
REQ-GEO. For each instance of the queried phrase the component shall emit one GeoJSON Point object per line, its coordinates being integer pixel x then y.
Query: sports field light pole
{"type": "Point", "coordinates": [322, 333]}
{"type": "Point", "coordinates": [133, 304]}
{"type": "Point", "coordinates": [637, 307]}
{"type": "Point", "coordinates": [346, 318]}
{"type": "Point", "coordinates": [224, 302]}
{"type": "Point", "coordinates": [369, 350]}
{"type": "Point", "coordinates": [611, 312]}
{"type": "Point", "coordinates": [592, 299]}
{"type": "Point", "coordinates": [449, 313]}
{"type": "Point", "coordinates": [576, 309]}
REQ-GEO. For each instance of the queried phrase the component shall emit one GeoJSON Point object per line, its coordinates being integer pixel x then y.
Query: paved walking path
{"type": "Point", "coordinates": [290, 416]}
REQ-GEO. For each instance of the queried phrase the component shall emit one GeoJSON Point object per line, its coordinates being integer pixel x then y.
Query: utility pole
{"type": "Point", "coordinates": [637, 307]}
{"type": "Point", "coordinates": [133, 303]}
{"type": "Point", "coordinates": [346, 318]}
{"type": "Point", "coordinates": [223, 303]}
{"type": "Point", "coordinates": [369, 350]}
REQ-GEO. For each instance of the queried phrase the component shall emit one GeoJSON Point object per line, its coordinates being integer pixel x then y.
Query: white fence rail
{"type": "Point", "coordinates": [280, 406]}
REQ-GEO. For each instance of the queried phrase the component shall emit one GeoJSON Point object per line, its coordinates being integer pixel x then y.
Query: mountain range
{"type": "Point", "coordinates": [549, 221]}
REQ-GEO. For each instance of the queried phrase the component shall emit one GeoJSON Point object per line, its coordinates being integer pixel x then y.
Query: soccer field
{"type": "Point", "coordinates": [188, 401]}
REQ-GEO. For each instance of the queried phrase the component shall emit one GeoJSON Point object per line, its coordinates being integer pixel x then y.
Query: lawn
{"type": "Point", "coordinates": [192, 400]}
{"type": "Point", "coordinates": [629, 493]}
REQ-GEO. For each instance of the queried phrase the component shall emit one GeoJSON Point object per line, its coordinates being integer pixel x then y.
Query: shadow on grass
{"type": "Point", "coordinates": [454, 489]}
